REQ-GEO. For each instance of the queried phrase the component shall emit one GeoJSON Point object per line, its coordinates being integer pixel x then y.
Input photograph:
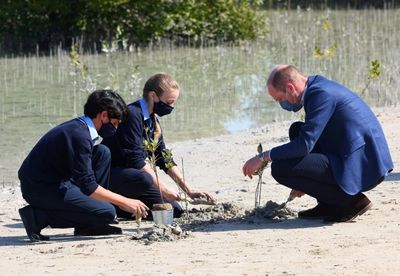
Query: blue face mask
{"type": "Point", "coordinates": [290, 107]}
{"type": "Point", "coordinates": [161, 108]}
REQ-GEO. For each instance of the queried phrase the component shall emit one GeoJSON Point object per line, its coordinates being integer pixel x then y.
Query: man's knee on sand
{"type": "Point", "coordinates": [295, 129]}
{"type": "Point", "coordinates": [136, 177]}
{"type": "Point", "coordinates": [146, 180]}
{"type": "Point", "coordinates": [282, 175]}
{"type": "Point", "coordinates": [105, 214]}
{"type": "Point", "coordinates": [278, 172]}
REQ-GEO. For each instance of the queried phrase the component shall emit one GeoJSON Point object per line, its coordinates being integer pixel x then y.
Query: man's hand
{"type": "Point", "coordinates": [133, 206]}
{"type": "Point", "coordinates": [206, 195]}
{"type": "Point", "coordinates": [136, 207]}
{"type": "Point", "coordinates": [251, 166]}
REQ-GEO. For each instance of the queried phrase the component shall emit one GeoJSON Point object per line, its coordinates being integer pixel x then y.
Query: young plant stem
{"type": "Point", "coordinates": [151, 145]}
{"type": "Point", "coordinates": [258, 190]}
{"type": "Point", "coordinates": [138, 221]}
{"type": "Point", "coordinates": [260, 171]}
{"type": "Point", "coordinates": [158, 182]}
{"type": "Point", "coordinates": [186, 200]}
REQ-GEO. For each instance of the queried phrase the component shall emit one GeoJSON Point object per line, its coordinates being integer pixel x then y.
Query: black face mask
{"type": "Point", "coordinates": [107, 130]}
{"type": "Point", "coordinates": [161, 108]}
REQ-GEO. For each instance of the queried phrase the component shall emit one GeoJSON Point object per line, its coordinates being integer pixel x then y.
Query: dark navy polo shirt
{"type": "Point", "coordinates": [126, 143]}
{"type": "Point", "coordinates": [64, 153]}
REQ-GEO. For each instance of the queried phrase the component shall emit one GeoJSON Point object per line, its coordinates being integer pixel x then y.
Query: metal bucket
{"type": "Point", "coordinates": [163, 217]}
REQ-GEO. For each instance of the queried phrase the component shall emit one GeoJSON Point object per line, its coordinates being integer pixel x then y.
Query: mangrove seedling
{"type": "Point", "coordinates": [169, 163]}
{"type": "Point", "coordinates": [151, 146]}
{"type": "Point", "coordinates": [373, 73]}
{"type": "Point", "coordinates": [260, 182]}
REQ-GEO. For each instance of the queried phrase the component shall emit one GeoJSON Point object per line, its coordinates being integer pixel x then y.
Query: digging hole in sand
{"type": "Point", "coordinates": [273, 211]}
{"type": "Point", "coordinates": [222, 212]}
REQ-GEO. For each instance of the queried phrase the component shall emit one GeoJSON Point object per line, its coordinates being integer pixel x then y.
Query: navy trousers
{"type": "Point", "coordinates": [63, 205]}
{"type": "Point", "coordinates": [137, 184]}
{"type": "Point", "coordinates": [310, 174]}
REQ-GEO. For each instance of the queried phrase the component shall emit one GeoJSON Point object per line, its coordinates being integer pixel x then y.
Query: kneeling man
{"type": "Point", "coordinates": [65, 176]}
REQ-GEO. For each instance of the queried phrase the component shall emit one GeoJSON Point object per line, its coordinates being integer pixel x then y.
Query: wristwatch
{"type": "Point", "coordinates": [261, 156]}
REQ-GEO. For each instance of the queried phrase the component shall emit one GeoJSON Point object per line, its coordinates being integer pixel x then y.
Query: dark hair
{"type": "Point", "coordinates": [159, 83]}
{"type": "Point", "coordinates": [106, 100]}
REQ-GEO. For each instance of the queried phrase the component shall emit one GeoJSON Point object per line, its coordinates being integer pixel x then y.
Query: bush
{"type": "Point", "coordinates": [47, 23]}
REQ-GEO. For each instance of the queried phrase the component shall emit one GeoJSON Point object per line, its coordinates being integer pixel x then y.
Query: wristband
{"type": "Point", "coordinates": [261, 156]}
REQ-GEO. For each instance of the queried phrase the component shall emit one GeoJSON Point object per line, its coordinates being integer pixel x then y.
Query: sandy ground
{"type": "Point", "coordinates": [368, 246]}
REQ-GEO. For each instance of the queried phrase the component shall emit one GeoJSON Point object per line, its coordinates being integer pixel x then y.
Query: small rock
{"type": "Point", "coordinates": [176, 230]}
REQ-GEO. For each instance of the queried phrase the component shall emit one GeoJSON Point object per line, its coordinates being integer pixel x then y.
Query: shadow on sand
{"type": "Point", "coordinates": [240, 223]}
{"type": "Point", "coordinates": [251, 223]}
{"type": "Point", "coordinates": [24, 240]}
{"type": "Point", "coordinates": [395, 176]}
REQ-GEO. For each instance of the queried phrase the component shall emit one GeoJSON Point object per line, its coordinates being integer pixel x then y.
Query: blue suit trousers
{"type": "Point", "coordinates": [311, 174]}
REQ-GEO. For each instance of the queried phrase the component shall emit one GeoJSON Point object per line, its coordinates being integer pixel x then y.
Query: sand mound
{"type": "Point", "coordinates": [273, 211]}
{"type": "Point", "coordinates": [183, 227]}
{"type": "Point", "coordinates": [161, 234]}
{"type": "Point", "coordinates": [211, 214]}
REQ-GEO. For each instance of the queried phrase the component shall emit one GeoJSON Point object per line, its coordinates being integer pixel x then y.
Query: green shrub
{"type": "Point", "coordinates": [47, 23]}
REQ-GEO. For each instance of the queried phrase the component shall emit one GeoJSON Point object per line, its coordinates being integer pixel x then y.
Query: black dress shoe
{"type": "Point", "coordinates": [360, 206]}
{"type": "Point", "coordinates": [320, 211]}
{"type": "Point", "coordinates": [99, 230]}
{"type": "Point", "coordinates": [115, 221]}
{"type": "Point", "coordinates": [32, 230]}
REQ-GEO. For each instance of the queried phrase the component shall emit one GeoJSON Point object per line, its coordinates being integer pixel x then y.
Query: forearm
{"type": "Point", "coordinates": [176, 175]}
{"type": "Point", "coordinates": [136, 207]}
{"type": "Point", "coordinates": [103, 194]}
{"type": "Point", "coordinates": [159, 184]}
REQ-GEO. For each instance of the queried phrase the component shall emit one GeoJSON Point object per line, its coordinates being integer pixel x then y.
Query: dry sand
{"type": "Point", "coordinates": [233, 244]}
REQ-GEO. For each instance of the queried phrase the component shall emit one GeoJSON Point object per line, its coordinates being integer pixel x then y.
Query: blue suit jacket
{"type": "Point", "coordinates": [347, 132]}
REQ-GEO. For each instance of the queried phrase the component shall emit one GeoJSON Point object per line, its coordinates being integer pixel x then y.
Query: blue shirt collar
{"type": "Point", "coordinates": [145, 110]}
{"type": "Point", "coordinates": [92, 129]}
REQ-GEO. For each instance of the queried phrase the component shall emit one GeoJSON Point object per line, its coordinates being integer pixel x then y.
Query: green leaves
{"type": "Point", "coordinates": [150, 145]}
{"type": "Point", "coordinates": [326, 51]}
{"type": "Point", "coordinates": [374, 72]}
{"type": "Point", "coordinates": [167, 156]}
{"type": "Point", "coordinates": [127, 22]}
{"type": "Point", "coordinates": [75, 60]}
{"type": "Point", "coordinates": [375, 69]}
{"type": "Point", "coordinates": [326, 25]}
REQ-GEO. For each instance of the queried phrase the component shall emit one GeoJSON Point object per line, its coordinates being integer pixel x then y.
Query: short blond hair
{"type": "Point", "coordinates": [159, 83]}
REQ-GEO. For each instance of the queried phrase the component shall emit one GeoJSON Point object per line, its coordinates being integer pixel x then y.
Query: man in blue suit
{"type": "Point", "coordinates": [336, 154]}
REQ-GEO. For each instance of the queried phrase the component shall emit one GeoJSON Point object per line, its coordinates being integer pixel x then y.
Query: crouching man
{"type": "Point", "coordinates": [65, 176]}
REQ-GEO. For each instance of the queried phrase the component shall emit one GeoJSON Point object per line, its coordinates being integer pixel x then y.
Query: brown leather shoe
{"type": "Point", "coordinates": [320, 211]}
{"type": "Point", "coordinates": [360, 206]}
